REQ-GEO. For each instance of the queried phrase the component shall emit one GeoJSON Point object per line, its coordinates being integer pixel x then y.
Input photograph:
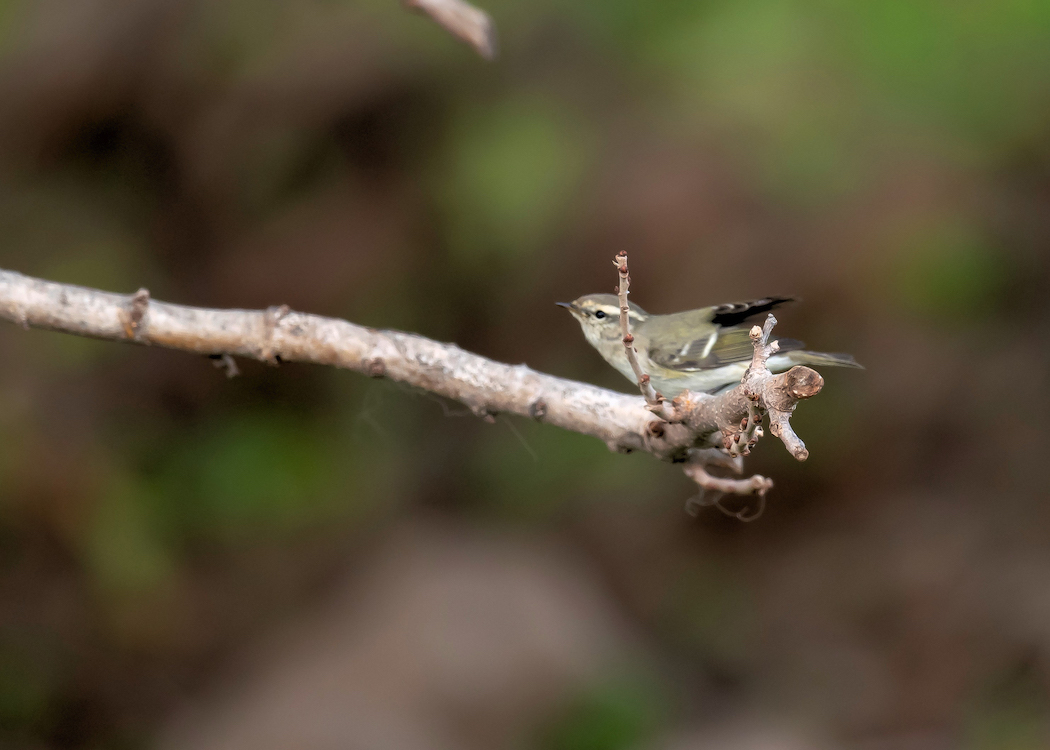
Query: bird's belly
{"type": "Point", "coordinates": [670, 384]}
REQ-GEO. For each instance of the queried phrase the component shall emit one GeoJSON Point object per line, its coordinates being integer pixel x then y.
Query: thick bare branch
{"type": "Point", "coordinates": [278, 333]}
{"type": "Point", "coordinates": [462, 20]}
{"type": "Point", "coordinates": [753, 485]}
{"type": "Point", "coordinates": [713, 489]}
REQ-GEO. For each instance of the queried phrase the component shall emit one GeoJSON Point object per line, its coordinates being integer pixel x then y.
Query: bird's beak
{"type": "Point", "coordinates": [567, 305]}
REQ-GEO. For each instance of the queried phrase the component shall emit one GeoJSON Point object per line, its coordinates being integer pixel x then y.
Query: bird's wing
{"type": "Point", "coordinates": [716, 348]}
{"type": "Point", "coordinates": [737, 313]}
{"type": "Point", "coordinates": [729, 315]}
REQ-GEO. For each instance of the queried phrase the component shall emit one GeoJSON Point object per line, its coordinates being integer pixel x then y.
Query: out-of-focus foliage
{"type": "Point", "coordinates": [615, 715]}
{"type": "Point", "coordinates": [948, 273]}
{"type": "Point", "coordinates": [511, 173]}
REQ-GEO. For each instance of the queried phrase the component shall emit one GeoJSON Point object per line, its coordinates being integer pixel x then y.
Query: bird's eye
{"type": "Point", "coordinates": [599, 315]}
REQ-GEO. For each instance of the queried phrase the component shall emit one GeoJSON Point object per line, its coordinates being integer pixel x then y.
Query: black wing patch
{"type": "Point", "coordinates": [735, 313]}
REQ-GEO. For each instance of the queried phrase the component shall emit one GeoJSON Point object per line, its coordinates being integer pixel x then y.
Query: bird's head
{"type": "Point", "coordinates": [599, 316]}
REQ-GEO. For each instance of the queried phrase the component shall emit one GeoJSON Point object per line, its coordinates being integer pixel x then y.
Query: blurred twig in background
{"type": "Point", "coordinates": [463, 21]}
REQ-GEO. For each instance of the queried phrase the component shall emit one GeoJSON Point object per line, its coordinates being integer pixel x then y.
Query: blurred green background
{"type": "Point", "coordinates": [886, 160]}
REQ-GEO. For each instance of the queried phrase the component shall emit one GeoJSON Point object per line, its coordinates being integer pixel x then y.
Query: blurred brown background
{"type": "Point", "coordinates": [302, 557]}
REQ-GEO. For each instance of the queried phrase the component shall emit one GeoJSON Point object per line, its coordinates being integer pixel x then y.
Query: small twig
{"type": "Point", "coordinates": [656, 403]}
{"type": "Point", "coordinates": [225, 363]}
{"type": "Point", "coordinates": [753, 485]}
{"type": "Point", "coordinates": [778, 395]}
{"type": "Point", "coordinates": [764, 349]}
{"type": "Point", "coordinates": [702, 500]}
{"type": "Point", "coordinates": [740, 443]}
{"type": "Point", "coordinates": [462, 20]}
{"type": "Point", "coordinates": [716, 457]}
{"type": "Point", "coordinates": [624, 288]}
{"type": "Point", "coordinates": [742, 514]}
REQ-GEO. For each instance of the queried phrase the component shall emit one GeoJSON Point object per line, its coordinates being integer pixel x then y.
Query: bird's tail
{"type": "Point", "coordinates": [822, 359]}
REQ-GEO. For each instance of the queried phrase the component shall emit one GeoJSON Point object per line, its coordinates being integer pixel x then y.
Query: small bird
{"type": "Point", "coordinates": [696, 350]}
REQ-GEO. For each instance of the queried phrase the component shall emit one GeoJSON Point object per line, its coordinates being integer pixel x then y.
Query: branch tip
{"type": "Point", "coordinates": [538, 409]}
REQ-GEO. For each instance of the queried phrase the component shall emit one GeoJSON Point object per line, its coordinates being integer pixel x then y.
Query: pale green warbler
{"type": "Point", "coordinates": [696, 350]}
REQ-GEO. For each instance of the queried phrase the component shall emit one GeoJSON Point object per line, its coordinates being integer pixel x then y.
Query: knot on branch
{"type": "Point", "coordinates": [271, 319]}
{"type": "Point", "coordinates": [133, 314]}
{"type": "Point", "coordinates": [787, 389]}
{"type": "Point", "coordinates": [375, 368]}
